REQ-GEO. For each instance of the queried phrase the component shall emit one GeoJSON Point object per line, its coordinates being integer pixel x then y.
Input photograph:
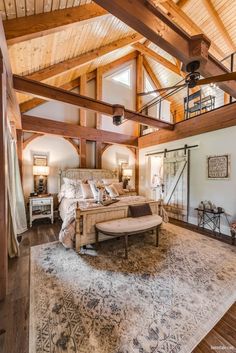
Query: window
{"type": "Point", "coordinates": [148, 86]}
{"type": "Point", "coordinates": [123, 76]}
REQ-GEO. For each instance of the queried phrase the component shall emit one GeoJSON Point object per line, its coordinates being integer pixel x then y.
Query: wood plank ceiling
{"type": "Point", "coordinates": [215, 19]}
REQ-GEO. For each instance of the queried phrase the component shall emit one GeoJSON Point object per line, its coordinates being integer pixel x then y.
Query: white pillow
{"type": "Point", "coordinates": [86, 191]}
{"type": "Point", "coordinates": [94, 189]}
{"type": "Point", "coordinates": [119, 188]}
{"type": "Point", "coordinates": [111, 191]}
{"type": "Point", "coordinates": [72, 188]}
{"type": "Point", "coordinates": [109, 181]}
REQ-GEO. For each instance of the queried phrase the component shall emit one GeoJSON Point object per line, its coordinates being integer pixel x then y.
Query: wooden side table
{"type": "Point", "coordinates": [40, 207]}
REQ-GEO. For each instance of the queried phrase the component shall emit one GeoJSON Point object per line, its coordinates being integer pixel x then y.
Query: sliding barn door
{"type": "Point", "coordinates": [176, 184]}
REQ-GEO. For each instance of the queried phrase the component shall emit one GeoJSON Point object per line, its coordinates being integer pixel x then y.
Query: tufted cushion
{"type": "Point", "coordinates": [126, 225]}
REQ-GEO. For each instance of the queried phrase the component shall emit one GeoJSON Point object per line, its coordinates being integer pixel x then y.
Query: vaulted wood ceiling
{"type": "Point", "coordinates": [76, 42]}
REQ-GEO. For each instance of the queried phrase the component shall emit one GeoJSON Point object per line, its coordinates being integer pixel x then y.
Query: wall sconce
{"type": "Point", "coordinates": [40, 178]}
{"type": "Point", "coordinates": [127, 174]}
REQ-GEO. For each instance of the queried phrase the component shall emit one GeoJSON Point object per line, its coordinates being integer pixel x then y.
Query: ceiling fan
{"type": "Point", "coordinates": [192, 79]}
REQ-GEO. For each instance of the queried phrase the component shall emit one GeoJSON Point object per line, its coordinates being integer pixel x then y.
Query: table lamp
{"type": "Point", "coordinates": [40, 173]}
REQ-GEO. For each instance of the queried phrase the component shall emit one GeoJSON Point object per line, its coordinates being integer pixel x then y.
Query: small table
{"type": "Point", "coordinates": [40, 207]}
{"type": "Point", "coordinates": [210, 218]}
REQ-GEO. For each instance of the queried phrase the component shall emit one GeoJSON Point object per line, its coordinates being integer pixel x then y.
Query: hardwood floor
{"type": "Point", "coordinates": [14, 311]}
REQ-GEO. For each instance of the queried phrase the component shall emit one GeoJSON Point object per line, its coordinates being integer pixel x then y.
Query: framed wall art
{"type": "Point", "coordinates": [218, 167]}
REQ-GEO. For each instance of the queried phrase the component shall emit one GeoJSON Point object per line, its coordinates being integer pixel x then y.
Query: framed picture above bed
{"type": "Point", "coordinates": [218, 167]}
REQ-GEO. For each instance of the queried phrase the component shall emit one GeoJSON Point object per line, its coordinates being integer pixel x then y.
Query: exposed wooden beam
{"type": "Point", "coordinates": [83, 154]}
{"type": "Point", "coordinates": [181, 3]}
{"type": "Point", "coordinates": [217, 119]}
{"type": "Point", "coordinates": [40, 89]}
{"type": "Point", "coordinates": [218, 23]}
{"type": "Point", "coordinates": [99, 96]}
{"type": "Point", "coordinates": [98, 151]}
{"type": "Point", "coordinates": [83, 92]}
{"type": "Point", "coordinates": [139, 81]}
{"type": "Point", "coordinates": [70, 64]}
{"type": "Point", "coordinates": [187, 23]}
{"type": "Point", "coordinates": [156, 26]}
{"type": "Point", "coordinates": [72, 142]}
{"type": "Point", "coordinates": [29, 27]}
{"type": "Point", "coordinates": [47, 126]}
{"type": "Point", "coordinates": [35, 102]}
{"type": "Point", "coordinates": [119, 62]}
{"type": "Point", "coordinates": [30, 139]}
{"type": "Point", "coordinates": [154, 55]}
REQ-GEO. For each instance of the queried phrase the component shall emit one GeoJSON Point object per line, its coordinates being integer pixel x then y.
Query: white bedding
{"type": "Point", "coordinates": [67, 209]}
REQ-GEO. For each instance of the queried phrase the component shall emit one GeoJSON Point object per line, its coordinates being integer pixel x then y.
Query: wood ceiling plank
{"type": "Point", "coordinates": [82, 59]}
{"type": "Point", "coordinates": [26, 28]}
{"type": "Point", "coordinates": [154, 55]}
{"type": "Point", "coordinates": [217, 119]}
{"type": "Point", "coordinates": [156, 26]}
{"type": "Point", "coordinates": [43, 90]}
{"type": "Point", "coordinates": [47, 126]}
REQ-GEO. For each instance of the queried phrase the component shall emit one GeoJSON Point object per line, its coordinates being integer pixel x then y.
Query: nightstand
{"type": "Point", "coordinates": [40, 207]}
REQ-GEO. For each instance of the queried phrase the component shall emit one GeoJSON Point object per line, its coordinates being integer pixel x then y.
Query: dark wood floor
{"type": "Point", "coordinates": [14, 312]}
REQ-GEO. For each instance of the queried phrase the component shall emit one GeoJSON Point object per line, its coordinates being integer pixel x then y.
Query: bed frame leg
{"type": "Point", "coordinates": [157, 236]}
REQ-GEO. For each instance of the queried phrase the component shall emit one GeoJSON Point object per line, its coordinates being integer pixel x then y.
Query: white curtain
{"type": "Point", "coordinates": [17, 214]}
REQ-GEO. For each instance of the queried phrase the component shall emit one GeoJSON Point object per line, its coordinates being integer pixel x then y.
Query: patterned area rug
{"type": "Point", "coordinates": [161, 300]}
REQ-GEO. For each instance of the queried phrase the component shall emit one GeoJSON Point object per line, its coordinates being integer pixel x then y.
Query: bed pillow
{"type": "Point", "coordinates": [94, 189]}
{"type": "Point", "coordinates": [109, 181]}
{"type": "Point", "coordinates": [72, 188]}
{"type": "Point", "coordinates": [111, 191]}
{"type": "Point", "coordinates": [140, 210]}
{"type": "Point", "coordinates": [119, 188]}
{"type": "Point", "coordinates": [61, 193]}
{"type": "Point", "coordinates": [86, 191]}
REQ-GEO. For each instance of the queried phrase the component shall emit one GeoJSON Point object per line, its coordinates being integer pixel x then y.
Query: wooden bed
{"type": "Point", "coordinates": [91, 214]}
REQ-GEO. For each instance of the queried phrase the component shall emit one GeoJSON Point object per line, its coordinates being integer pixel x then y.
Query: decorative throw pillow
{"type": "Point", "coordinates": [94, 189]}
{"type": "Point", "coordinates": [119, 188]}
{"type": "Point", "coordinates": [111, 191]}
{"type": "Point", "coordinates": [72, 188]}
{"type": "Point", "coordinates": [109, 181]}
{"type": "Point", "coordinates": [140, 210]}
{"type": "Point", "coordinates": [86, 191]}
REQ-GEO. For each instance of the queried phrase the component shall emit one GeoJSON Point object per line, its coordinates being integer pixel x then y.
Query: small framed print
{"type": "Point", "coordinates": [218, 167]}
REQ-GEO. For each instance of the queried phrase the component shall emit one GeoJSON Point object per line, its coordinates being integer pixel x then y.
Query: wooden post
{"type": "Point", "coordinates": [99, 72]}
{"type": "Point", "coordinates": [3, 195]}
{"type": "Point", "coordinates": [83, 162]}
{"type": "Point", "coordinates": [98, 154]}
{"type": "Point", "coordinates": [137, 170]}
{"type": "Point", "coordinates": [19, 135]}
{"type": "Point", "coordinates": [139, 83]}
{"type": "Point", "coordinates": [83, 92]}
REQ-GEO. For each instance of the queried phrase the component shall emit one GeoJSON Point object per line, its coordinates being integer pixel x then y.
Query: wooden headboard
{"type": "Point", "coordinates": [85, 174]}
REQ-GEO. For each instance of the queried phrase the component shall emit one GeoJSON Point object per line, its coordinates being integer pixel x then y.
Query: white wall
{"type": "Point", "coordinates": [117, 93]}
{"type": "Point", "coordinates": [221, 192]}
{"type": "Point", "coordinates": [61, 154]}
{"type": "Point", "coordinates": [113, 154]}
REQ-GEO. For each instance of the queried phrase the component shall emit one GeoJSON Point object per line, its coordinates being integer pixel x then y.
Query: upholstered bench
{"type": "Point", "coordinates": [129, 226]}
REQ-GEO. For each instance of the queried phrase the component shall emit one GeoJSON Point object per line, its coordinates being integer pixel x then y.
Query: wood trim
{"type": "Point", "coordinates": [217, 119]}
{"type": "Point", "coordinates": [3, 183]}
{"type": "Point", "coordinates": [19, 135]}
{"type": "Point", "coordinates": [156, 26]}
{"type": "Point", "coordinates": [99, 81]}
{"type": "Point", "coordinates": [83, 92]}
{"type": "Point", "coordinates": [26, 28]}
{"type": "Point", "coordinates": [83, 162]}
{"type": "Point", "coordinates": [30, 139]}
{"type": "Point", "coordinates": [35, 102]}
{"type": "Point", "coordinates": [72, 142]}
{"type": "Point", "coordinates": [155, 56]}
{"type": "Point", "coordinates": [46, 126]}
{"type": "Point", "coordinates": [139, 81]}
{"type": "Point", "coordinates": [181, 3]}
{"type": "Point", "coordinates": [54, 93]}
{"type": "Point", "coordinates": [70, 64]}
{"type": "Point", "coordinates": [98, 154]}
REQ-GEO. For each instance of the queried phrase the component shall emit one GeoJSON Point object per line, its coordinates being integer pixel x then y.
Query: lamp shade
{"type": "Point", "coordinates": [127, 172]}
{"type": "Point", "coordinates": [40, 170]}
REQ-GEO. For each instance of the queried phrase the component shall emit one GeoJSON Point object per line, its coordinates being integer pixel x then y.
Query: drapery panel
{"type": "Point", "coordinates": [17, 213]}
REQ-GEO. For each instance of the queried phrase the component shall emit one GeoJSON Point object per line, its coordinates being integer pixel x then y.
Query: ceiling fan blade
{"type": "Point", "coordinates": [220, 78]}
{"type": "Point", "coordinates": [161, 90]}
